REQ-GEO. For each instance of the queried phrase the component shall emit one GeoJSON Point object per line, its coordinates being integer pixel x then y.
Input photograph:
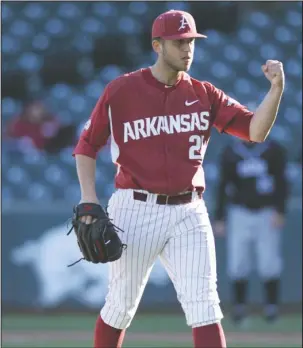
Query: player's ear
{"type": "Point", "coordinates": [157, 45]}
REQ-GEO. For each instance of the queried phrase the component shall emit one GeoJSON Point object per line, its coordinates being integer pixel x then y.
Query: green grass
{"type": "Point", "coordinates": [142, 323]}
{"type": "Point", "coordinates": [41, 344]}
{"type": "Point", "coordinates": [262, 345]}
{"type": "Point", "coordinates": [48, 322]}
{"type": "Point", "coordinates": [137, 344]}
{"type": "Point", "coordinates": [289, 325]}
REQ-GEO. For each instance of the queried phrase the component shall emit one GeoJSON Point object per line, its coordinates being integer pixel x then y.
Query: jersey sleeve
{"type": "Point", "coordinates": [229, 115]}
{"type": "Point", "coordinates": [96, 130]}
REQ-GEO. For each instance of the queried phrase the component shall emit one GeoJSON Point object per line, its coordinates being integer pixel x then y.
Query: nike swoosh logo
{"type": "Point", "coordinates": [187, 103]}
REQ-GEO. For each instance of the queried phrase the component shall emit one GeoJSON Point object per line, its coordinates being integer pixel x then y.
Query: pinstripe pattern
{"type": "Point", "coordinates": [190, 260]}
{"type": "Point", "coordinates": [182, 237]}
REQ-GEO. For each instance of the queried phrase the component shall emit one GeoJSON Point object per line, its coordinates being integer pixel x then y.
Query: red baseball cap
{"type": "Point", "coordinates": [175, 25]}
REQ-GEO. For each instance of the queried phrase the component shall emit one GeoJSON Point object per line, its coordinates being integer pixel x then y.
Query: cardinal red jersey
{"type": "Point", "coordinates": [159, 134]}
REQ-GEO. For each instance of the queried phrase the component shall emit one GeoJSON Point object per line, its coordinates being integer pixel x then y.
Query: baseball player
{"type": "Point", "coordinates": [159, 119]}
{"type": "Point", "coordinates": [254, 184]}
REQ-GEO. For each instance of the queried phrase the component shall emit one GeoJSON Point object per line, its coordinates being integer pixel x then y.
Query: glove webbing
{"type": "Point", "coordinates": [82, 258]}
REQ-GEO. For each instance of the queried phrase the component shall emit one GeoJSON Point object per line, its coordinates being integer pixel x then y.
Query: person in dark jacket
{"type": "Point", "coordinates": [251, 204]}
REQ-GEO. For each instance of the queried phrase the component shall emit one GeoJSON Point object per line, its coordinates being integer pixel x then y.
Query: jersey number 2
{"type": "Point", "coordinates": [195, 149]}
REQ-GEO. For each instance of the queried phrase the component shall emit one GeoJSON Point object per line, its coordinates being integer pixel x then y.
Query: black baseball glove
{"type": "Point", "coordinates": [99, 241]}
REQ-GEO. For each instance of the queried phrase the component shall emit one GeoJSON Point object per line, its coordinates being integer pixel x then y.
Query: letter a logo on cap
{"type": "Point", "coordinates": [183, 23]}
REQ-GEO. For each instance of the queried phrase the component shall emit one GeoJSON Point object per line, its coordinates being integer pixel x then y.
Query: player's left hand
{"type": "Point", "coordinates": [273, 71]}
{"type": "Point", "coordinates": [278, 220]}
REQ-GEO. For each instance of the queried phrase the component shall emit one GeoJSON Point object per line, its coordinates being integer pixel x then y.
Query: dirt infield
{"type": "Point", "coordinates": [19, 337]}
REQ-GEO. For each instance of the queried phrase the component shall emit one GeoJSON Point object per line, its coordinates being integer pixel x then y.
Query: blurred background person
{"type": "Point", "coordinates": [250, 211]}
{"type": "Point", "coordinates": [37, 127]}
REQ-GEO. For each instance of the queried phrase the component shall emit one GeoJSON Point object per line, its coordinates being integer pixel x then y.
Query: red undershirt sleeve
{"type": "Point", "coordinates": [96, 130]}
{"type": "Point", "coordinates": [229, 115]}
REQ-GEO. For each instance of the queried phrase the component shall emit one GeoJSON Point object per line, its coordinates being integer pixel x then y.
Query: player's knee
{"type": "Point", "coordinates": [203, 313]}
{"type": "Point", "coordinates": [270, 274]}
{"type": "Point", "coordinates": [203, 307]}
{"type": "Point", "coordinates": [206, 323]}
{"type": "Point", "coordinates": [238, 272]}
{"type": "Point", "coordinates": [119, 317]}
{"type": "Point", "coordinates": [270, 271]}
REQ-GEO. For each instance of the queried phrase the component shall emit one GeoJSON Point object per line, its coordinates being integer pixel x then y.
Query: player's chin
{"type": "Point", "coordinates": [186, 64]}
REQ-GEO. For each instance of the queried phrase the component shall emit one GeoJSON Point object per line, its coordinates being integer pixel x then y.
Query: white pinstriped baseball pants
{"type": "Point", "coordinates": [182, 237]}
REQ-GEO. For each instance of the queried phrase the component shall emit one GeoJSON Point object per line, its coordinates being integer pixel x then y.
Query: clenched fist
{"type": "Point", "coordinates": [273, 70]}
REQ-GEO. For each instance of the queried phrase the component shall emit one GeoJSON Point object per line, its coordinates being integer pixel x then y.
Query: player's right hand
{"type": "Point", "coordinates": [219, 228]}
{"type": "Point", "coordinates": [87, 219]}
